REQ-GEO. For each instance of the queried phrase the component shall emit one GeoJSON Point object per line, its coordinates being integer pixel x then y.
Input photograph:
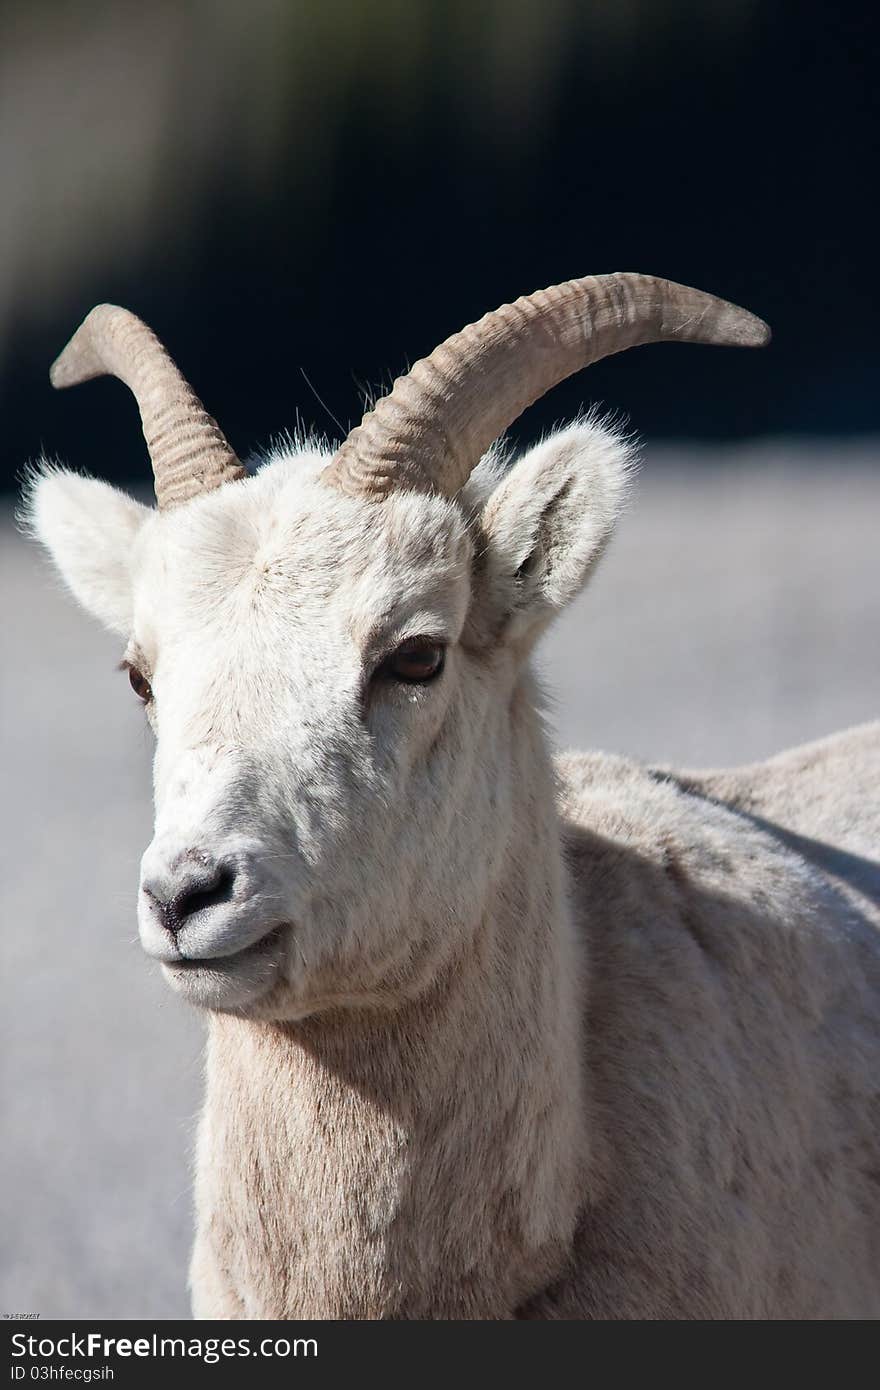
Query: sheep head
{"type": "Point", "coordinates": [339, 689]}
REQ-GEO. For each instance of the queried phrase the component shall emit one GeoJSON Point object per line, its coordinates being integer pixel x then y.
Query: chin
{"type": "Point", "coordinates": [231, 984]}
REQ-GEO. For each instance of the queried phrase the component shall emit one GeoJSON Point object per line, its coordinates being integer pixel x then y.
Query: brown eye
{"type": "Point", "coordinates": [414, 662]}
{"type": "Point", "coordinates": [140, 685]}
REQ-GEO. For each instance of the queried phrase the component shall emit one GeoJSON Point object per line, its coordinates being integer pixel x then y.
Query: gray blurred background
{"type": "Point", "coordinates": [301, 198]}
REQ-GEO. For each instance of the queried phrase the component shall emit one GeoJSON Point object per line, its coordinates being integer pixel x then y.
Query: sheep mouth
{"type": "Point", "coordinates": [220, 964]}
{"type": "Point", "coordinates": [229, 982]}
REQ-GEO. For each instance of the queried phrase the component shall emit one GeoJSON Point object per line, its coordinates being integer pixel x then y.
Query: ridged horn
{"type": "Point", "coordinates": [435, 424]}
{"type": "Point", "coordinates": [189, 452]}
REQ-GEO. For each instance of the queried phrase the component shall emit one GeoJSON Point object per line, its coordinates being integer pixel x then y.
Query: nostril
{"type": "Point", "coordinates": [217, 889]}
{"type": "Point", "coordinates": [214, 887]}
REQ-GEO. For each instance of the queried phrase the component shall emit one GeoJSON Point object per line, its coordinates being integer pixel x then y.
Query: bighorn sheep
{"type": "Point", "coordinates": [486, 1039]}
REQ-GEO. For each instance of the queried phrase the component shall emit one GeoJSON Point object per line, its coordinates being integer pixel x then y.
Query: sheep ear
{"type": "Point", "coordinates": [545, 526]}
{"type": "Point", "coordinates": [89, 529]}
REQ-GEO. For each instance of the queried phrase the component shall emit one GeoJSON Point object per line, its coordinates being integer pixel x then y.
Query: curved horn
{"type": "Point", "coordinates": [188, 450]}
{"type": "Point", "coordinates": [432, 428]}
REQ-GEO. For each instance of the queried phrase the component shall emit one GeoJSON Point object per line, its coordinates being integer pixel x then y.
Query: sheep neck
{"type": "Point", "coordinates": [421, 1162]}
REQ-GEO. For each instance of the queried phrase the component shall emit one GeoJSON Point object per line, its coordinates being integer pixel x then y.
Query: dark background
{"type": "Point", "coordinates": [333, 188]}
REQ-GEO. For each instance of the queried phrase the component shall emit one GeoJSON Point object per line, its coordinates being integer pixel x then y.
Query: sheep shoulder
{"type": "Point", "coordinates": [732, 1043]}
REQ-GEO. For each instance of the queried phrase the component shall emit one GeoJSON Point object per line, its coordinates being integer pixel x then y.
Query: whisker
{"type": "Point", "coordinates": [338, 423]}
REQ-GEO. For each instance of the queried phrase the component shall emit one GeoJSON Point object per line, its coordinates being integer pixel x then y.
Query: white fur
{"type": "Point", "coordinates": [89, 529]}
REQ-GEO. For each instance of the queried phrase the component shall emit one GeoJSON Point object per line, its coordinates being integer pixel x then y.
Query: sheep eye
{"type": "Point", "coordinates": [140, 685]}
{"type": "Point", "coordinates": [415, 662]}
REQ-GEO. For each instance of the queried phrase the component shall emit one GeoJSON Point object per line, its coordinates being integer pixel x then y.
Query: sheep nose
{"type": "Point", "coordinates": [195, 882]}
